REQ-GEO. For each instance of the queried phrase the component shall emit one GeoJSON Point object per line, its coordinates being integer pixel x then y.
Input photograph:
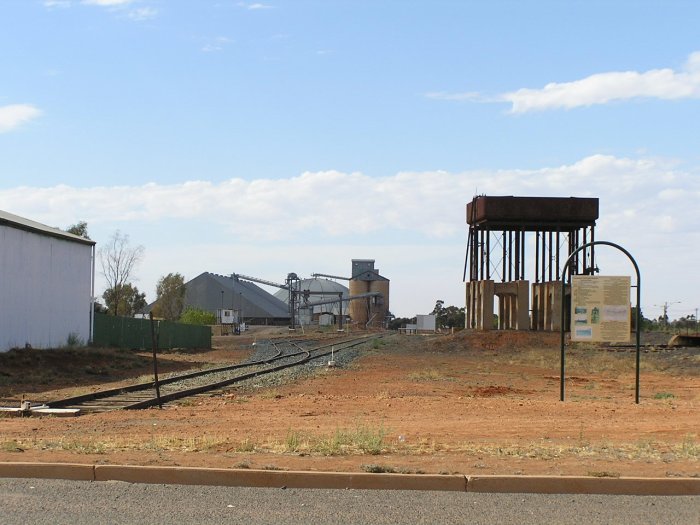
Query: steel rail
{"type": "Point", "coordinates": [171, 379]}
{"type": "Point", "coordinates": [125, 395]}
{"type": "Point", "coordinates": [226, 382]}
{"type": "Point", "coordinates": [102, 398]}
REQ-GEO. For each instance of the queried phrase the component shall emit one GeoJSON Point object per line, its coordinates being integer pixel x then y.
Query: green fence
{"type": "Point", "coordinates": [126, 332]}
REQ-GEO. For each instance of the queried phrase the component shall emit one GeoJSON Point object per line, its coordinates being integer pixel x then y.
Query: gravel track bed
{"type": "Point", "coordinates": [266, 350]}
{"type": "Point", "coordinates": [342, 359]}
{"type": "Point", "coordinates": [264, 353]}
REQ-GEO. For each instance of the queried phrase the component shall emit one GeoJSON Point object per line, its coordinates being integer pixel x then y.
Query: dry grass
{"type": "Point", "coordinates": [429, 375]}
{"type": "Point", "coordinates": [78, 369]}
{"type": "Point", "coordinates": [362, 439]}
{"type": "Point", "coordinates": [366, 440]}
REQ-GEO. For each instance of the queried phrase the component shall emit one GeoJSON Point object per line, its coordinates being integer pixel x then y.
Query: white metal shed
{"type": "Point", "coordinates": [46, 285]}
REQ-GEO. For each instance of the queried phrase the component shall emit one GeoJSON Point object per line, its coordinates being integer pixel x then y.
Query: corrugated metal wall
{"type": "Point", "coordinates": [127, 332]}
{"type": "Point", "coordinates": [45, 289]}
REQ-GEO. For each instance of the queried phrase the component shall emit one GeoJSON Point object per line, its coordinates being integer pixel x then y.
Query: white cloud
{"type": "Point", "coordinates": [254, 6]}
{"type": "Point", "coordinates": [15, 115]}
{"type": "Point", "coordinates": [412, 223]}
{"type": "Point", "coordinates": [603, 88]}
{"type": "Point", "coordinates": [216, 44]}
{"type": "Point", "coordinates": [469, 96]}
{"type": "Point", "coordinates": [123, 9]}
{"type": "Point", "coordinates": [108, 3]}
{"type": "Point", "coordinates": [57, 4]}
{"type": "Point", "coordinates": [143, 13]}
{"type": "Point", "coordinates": [331, 203]}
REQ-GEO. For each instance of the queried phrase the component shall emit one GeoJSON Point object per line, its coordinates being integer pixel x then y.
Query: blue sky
{"type": "Point", "coordinates": [270, 137]}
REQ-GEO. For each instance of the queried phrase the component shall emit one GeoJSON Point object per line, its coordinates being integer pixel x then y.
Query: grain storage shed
{"type": "Point", "coordinates": [46, 285]}
{"type": "Point", "coordinates": [210, 291]}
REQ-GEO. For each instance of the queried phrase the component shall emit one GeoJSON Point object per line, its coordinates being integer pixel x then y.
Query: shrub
{"type": "Point", "coordinates": [74, 340]}
{"type": "Point", "coordinates": [193, 315]}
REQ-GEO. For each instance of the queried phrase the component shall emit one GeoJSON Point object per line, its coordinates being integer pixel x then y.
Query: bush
{"type": "Point", "coordinates": [193, 315]}
{"type": "Point", "coordinates": [74, 340]}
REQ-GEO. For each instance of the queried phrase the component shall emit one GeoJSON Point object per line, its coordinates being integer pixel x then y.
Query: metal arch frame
{"type": "Point", "coordinates": [566, 270]}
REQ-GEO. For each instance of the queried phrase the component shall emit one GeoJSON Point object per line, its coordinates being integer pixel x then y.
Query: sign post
{"type": "Point", "coordinates": [600, 309]}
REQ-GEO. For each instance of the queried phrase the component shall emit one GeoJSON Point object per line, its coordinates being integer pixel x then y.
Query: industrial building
{"type": "Point", "coordinates": [370, 293]}
{"type": "Point", "coordinates": [319, 301]}
{"type": "Point", "coordinates": [298, 302]}
{"type": "Point", "coordinates": [46, 285]}
{"type": "Point", "coordinates": [500, 229]}
{"type": "Point", "coordinates": [251, 303]}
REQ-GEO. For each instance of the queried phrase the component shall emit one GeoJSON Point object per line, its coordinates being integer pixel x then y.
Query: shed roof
{"type": "Point", "coordinates": [318, 289]}
{"type": "Point", "coordinates": [205, 291]}
{"type": "Point", "coordinates": [21, 223]}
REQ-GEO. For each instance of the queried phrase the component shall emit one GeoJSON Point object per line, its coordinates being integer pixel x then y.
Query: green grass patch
{"type": "Point", "coordinates": [664, 395]}
{"type": "Point", "coordinates": [10, 446]}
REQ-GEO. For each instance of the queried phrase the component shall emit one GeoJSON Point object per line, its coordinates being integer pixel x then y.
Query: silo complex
{"type": "Point", "coordinates": [370, 311]}
{"type": "Point", "coordinates": [311, 292]}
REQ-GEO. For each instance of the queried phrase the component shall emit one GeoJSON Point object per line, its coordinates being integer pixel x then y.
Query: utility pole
{"type": "Point", "coordinates": [665, 307]}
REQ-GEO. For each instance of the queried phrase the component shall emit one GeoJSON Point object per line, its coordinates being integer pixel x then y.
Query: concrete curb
{"type": "Point", "coordinates": [585, 485]}
{"type": "Point", "coordinates": [278, 478]}
{"type": "Point", "coordinates": [72, 471]}
{"type": "Point", "coordinates": [347, 480]}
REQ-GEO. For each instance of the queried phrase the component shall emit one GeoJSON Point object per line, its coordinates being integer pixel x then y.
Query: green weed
{"type": "Point", "coordinates": [378, 469]}
{"type": "Point", "coordinates": [664, 395]}
{"type": "Point", "coordinates": [604, 474]}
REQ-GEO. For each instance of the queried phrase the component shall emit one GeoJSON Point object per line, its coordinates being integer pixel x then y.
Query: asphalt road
{"type": "Point", "coordinates": [39, 501]}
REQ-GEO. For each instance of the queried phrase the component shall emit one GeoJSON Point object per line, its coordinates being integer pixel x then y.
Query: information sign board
{"type": "Point", "coordinates": [600, 308]}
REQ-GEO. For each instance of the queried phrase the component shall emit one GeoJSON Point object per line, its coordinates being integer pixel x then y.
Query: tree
{"type": "Point", "coordinates": [193, 315]}
{"type": "Point", "coordinates": [170, 292]}
{"type": "Point", "coordinates": [645, 325]}
{"type": "Point", "coordinates": [118, 259]}
{"type": "Point", "coordinates": [79, 229]}
{"type": "Point", "coordinates": [401, 322]}
{"type": "Point", "coordinates": [124, 300]}
{"type": "Point", "coordinates": [99, 308]}
{"type": "Point", "coordinates": [438, 310]}
{"type": "Point", "coordinates": [448, 316]}
{"type": "Point", "coordinates": [684, 323]}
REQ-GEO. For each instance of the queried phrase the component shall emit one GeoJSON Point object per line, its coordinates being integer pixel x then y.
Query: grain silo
{"type": "Point", "coordinates": [318, 301]}
{"type": "Point", "coordinates": [372, 310]}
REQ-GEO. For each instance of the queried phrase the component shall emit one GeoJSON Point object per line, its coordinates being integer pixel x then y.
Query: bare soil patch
{"type": "Point", "coordinates": [470, 403]}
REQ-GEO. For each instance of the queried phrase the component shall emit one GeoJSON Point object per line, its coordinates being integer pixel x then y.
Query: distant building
{"type": "Point", "coordinates": [373, 310]}
{"type": "Point", "coordinates": [46, 285]}
{"type": "Point", "coordinates": [425, 323]}
{"type": "Point", "coordinates": [318, 301]}
{"type": "Point", "coordinates": [246, 300]}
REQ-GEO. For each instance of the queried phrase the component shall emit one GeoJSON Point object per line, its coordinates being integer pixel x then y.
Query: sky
{"type": "Point", "coordinates": [265, 138]}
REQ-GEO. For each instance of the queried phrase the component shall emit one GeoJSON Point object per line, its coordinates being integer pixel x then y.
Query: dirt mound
{"type": "Point", "coordinates": [494, 340]}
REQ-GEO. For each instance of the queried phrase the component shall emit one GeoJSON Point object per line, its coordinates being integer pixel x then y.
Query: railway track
{"type": "Point", "coordinates": [286, 354]}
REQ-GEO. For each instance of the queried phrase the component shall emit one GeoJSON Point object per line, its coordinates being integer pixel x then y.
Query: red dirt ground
{"type": "Point", "coordinates": [469, 403]}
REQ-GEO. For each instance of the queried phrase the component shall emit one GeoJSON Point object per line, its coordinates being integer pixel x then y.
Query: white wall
{"type": "Point", "coordinates": [425, 322]}
{"type": "Point", "coordinates": [45, 289]}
